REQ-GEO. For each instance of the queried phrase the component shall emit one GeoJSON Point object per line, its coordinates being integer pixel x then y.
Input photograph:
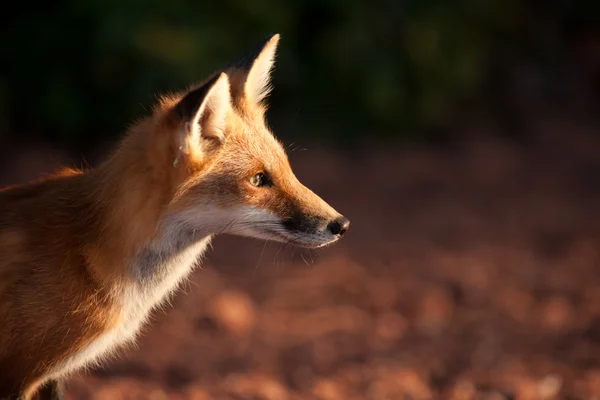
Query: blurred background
{"type": "Point", "coordinates": [460, 138]}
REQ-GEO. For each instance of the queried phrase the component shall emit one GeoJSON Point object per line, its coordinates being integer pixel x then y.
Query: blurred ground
{"type": "Point", "coordinates": [471, 271]}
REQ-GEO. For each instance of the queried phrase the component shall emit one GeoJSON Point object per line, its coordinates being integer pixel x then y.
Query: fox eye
{"type": "Point", "coordinates": [259, 180]}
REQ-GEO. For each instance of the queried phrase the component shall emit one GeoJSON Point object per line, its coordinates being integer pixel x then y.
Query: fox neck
{"type": "Point", "coordinates": [136, 186]}
{"type": "Point", "coordinates": [176, 246]}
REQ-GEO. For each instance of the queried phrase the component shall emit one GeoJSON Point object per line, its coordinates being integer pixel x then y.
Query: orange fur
{"type": "Point", "coordinates": [85, 256]}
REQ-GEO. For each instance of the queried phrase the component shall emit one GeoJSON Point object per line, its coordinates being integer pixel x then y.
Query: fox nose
{"type": "Point", "coordinates": [339, 226]}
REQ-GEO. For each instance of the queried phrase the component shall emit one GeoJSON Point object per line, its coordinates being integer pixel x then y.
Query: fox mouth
{"type": "Point", "coordinates": [301, 239]}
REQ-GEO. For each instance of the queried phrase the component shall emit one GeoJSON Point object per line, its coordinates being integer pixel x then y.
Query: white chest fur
{"type": "Point", "coordinates": [157, 271]}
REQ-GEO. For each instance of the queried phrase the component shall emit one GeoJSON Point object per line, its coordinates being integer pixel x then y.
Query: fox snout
{"type": "Point", "coordinates": [307, 218]}
{"type": "Point", "coordinates": [310, 225]}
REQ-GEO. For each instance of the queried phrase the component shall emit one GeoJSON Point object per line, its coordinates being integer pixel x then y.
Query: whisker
{"type": "Point", "coordinates": [227, 226]}
{"type": "Point", "coordinates": [284, 246]}
{"type": "Point", "coordinates": [276, 254]}
{"type": "Point", "coordinates": [310, 253]}
{"type": "Point", "coordinates": [260, 257]}
{"type": "Point", "coordinates": [304, 259]}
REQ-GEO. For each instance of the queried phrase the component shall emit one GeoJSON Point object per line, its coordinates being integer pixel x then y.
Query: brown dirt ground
{"type": "Point", "coordinates": [471, 271]}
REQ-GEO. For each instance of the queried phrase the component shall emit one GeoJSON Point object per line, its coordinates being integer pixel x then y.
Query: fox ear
{"type": "Point", "coordinates": [251, 75]}
{"type": "Point", "coordinates": [204, 113]}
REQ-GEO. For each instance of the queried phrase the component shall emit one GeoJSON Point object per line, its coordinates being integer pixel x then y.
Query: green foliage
{"type": "Point", "coordinates": [79, 70]}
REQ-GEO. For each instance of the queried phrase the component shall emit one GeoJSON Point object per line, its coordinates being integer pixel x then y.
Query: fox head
{"type": "Point", "coordinates": [229, 174]}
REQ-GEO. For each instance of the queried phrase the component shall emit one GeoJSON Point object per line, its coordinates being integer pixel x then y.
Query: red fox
{"type": "Point", "coordinates": [85, 256]}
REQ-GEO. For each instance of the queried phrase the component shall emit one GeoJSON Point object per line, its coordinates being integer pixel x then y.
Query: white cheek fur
{"type": "Point", "coordinates": [249, 221]}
